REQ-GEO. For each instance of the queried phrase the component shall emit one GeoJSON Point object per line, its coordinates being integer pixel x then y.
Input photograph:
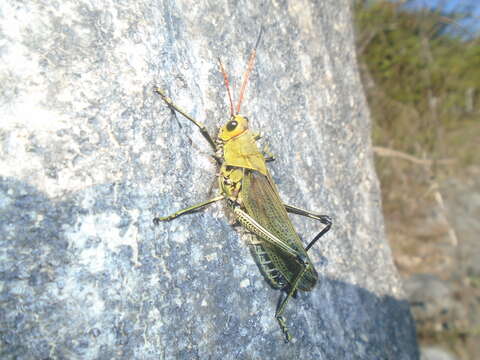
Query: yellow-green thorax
{"type": "Point", "coordinates": [240, 147]}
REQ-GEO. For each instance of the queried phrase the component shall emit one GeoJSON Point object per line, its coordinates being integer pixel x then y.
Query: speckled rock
{"type": "Point", "coordinates": [89, 155]}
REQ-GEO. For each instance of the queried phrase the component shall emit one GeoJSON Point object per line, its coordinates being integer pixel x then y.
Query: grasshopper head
{"type": "Point", "coordinates": [237, 125]}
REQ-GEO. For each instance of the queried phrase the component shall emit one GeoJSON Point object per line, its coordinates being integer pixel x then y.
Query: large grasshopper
{"type": "Point", "coordinates": [247, 186]}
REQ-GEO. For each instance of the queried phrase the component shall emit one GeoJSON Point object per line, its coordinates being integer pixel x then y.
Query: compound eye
{"type": "Point", "coordinates": [231, 125]}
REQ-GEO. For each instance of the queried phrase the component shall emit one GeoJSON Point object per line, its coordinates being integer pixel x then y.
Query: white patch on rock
{"type": "Point", "coordinates": [103, 227]}
{"type": "Point", "coordinates": [244, 283]}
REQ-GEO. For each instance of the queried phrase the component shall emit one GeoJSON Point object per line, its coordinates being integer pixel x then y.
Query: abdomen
{"type": "Point", "coordinates": [262, 202]}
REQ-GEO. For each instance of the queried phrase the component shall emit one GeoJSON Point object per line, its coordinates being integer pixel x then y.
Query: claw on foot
{"type": "Point", "coordinates": [283, 326]}
{"type": "Point", "coordinates": [156, 220]}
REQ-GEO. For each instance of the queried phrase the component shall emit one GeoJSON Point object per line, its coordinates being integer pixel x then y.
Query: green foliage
{"type": "Point", "coordinates": [426, 81]}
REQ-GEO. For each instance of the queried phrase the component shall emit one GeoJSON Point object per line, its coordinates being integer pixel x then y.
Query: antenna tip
{"type": "Point", "coordinates": [259, 37]}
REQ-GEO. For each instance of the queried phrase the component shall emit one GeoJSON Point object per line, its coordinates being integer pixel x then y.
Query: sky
{"type": "Point", "coordinates": [450, 4]}
{"type": "Point", "coordinates": [473, 7]}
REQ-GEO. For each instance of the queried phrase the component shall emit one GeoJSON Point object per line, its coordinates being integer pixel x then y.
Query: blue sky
{"type": "Point", "coordinates": [450, 4]}
{"type": "Point", "coordinates": [473, 6]}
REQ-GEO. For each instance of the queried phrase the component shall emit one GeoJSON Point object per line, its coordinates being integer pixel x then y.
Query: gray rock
{"type": "Point", "coordinates": [436, 353]}
{"type": "Point", "coordinates": [462, 200]}
{"type": "Point", "coordinates": [90, 155]}
{"type": "Point", "coordinates": [430, 297]}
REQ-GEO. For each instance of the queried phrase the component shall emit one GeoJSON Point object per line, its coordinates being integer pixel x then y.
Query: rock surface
{"type": "Point", "coordinates": [90, 155]}
{"type": "Point", "coordinates": [436, 353]}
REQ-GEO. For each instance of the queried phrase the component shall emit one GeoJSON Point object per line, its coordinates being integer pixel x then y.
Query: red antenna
{"type": "Point", "coordinates": [227, 85]}
{"type": "Point", "coordinates": [248, 71]}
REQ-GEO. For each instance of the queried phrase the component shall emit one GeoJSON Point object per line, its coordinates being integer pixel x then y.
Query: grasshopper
{"type": "Point", "coordinates": [251, 194]}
